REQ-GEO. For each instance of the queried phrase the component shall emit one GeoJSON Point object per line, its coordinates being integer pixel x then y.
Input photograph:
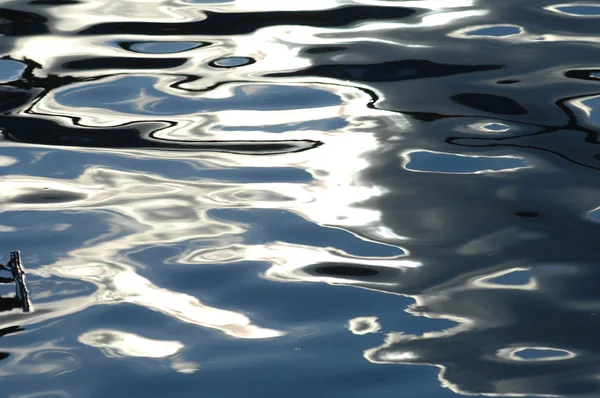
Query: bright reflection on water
{"type": "Point", "coordinates": [269, 198]}
{"type": "Point", "coordinates": [364, 325]}
{"type": "Point", "coordinates": [114, 343]}
{"type": "Point", "coordinates": [589, 10]}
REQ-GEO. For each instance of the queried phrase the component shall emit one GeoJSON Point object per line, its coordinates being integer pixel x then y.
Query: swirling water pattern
{"type": "Point", "coordinates": [217, 198]}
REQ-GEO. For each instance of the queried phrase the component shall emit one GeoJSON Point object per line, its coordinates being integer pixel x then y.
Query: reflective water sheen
{"type": "Point", "coordinates": [332, 198]}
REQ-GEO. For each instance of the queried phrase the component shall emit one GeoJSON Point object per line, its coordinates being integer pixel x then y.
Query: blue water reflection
{"type": "Point", "coordinates": [232, 62]}
{"type": "Point", "coordinates": [139, 95]}
{"type": "Point", "coordinates": [323, 198]}
{"type": "Point", "coordinates": [161, 47]}
{"type": "Point", "coordinates": [10, 70]}
{"type": "Point", "coordinates": [495, 31]}
{"type": "Point", "coordinates": [433, 162]}
{"type": "Point", "coordinates": [582, 10]}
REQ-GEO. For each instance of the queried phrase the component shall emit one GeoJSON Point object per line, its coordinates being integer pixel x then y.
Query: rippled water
{"type": "Point", "coordinates": [294, 199]}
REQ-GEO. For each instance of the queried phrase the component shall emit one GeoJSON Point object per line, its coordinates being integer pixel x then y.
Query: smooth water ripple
{"type": "Point", "coordinates": [321, 198]}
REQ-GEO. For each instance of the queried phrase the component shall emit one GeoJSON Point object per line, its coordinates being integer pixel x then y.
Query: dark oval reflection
{"type": "Point", "coordinates": [48, 196]}
{"type": "Point", "coordinates": [231, 62]}
{"type": "Point", "coordinates": [527, 214]}
{"type": "Point", "coordinates": [345, 270]}
{"type": "Point", "coordinates": [494, 104]}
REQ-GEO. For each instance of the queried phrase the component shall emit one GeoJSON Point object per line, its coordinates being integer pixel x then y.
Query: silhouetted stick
{"type": "Point", "coordinates": [19, 276]}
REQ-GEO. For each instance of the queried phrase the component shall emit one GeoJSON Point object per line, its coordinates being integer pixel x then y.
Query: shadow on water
{"type": "Point", "coordinates": [448, 158]}
{"type": "Point", "coordinates": [230, 24]}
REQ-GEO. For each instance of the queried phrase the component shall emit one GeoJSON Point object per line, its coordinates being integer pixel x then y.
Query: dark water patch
{"type": "Point", "coordinates": [44, 132]}
{"type": "Point", "coordinates": [131, 139]}
{"type": "Point", "coordinates": [10, 303]}
{"type": "Point", "coordinates": [46, 196]}
{"type": "Point", "coordinates": [248, 147]}
{"type": "Point", "coordinates": [10, 330]}
{"type": "Point", "coordinates": [494, 104]}
{"type": "Point", "coordinates": [12, 99]}
{"type": "Point", "coordinates": [388, 71]}
{"type": "Point", "coordinates": [527, 214]}
{"type": "Point", "coordinates": [345, 270]}
{"type": "Point", "coordinates": [427, 116]}
{"type": "Point", "coordinates": [353, 274]}
{"type": "Point", "coordinates": [244, 23]}
{"type": "Point", "coordinates": [209, 1]}
{"type": "Point", "coordinates": [583, 74]}
{"type": "Point", "coordinates": [508, 81]}
{"type": "Point", "coordinates": [124, 63]}
{"type": "Point", "coordinates": [21, 23]}
{"type": "Point", "coordinates": [54, 2]}
{"type": "Point", "coordinates": [324, 49]}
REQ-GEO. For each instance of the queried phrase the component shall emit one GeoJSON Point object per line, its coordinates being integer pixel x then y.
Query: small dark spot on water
{"type": "Point", "coordinates": [423, 309]}
{"type": "Point", "coordinates": [527, 214]}
{"type": "Point", "coordinates": [55, 196]}
{"type": "Point", "coordinates": [124, 63]}
{"type": "Point", "coordinates": [426, 116]}
{"type": "Point", "coordinates": [208, 1]}
{"type": "Point", "coordinates": [231, 62]}
{"type": "Point", "coordinates": [54, 2]}
{"type": "Point", "coordinates": [508, 81]}
{"type": "Point", "coordinates": [345, 270]}
{"type": "Point", "coordinates": [324, 49]}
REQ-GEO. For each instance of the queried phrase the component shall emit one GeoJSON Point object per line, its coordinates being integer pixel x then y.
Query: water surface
{"type": "Point", "coordinates": [321, 198]}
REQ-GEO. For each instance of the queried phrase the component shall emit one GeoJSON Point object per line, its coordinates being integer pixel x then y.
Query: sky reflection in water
{"type": "Point", "coordinates": [228, 197]}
